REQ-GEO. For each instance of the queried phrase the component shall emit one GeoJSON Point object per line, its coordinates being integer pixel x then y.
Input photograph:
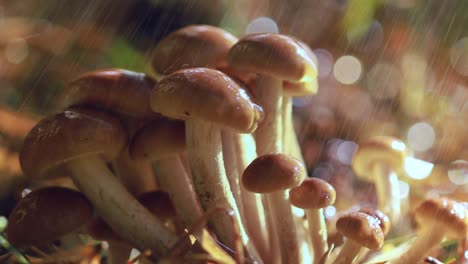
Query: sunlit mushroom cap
{"type": "Point", "coordinates": [158, 139]}
{"type": "Point", "coordinates": [118, 90]}
{"type": "Point", "coordinates": [206, 94]}
{"type": "Point", "coordinates": [380, 150]}
{"type": "Point", "coordinates": [192, 46]}
{"type": "Point", "coordinates": [444, 214]}
{"type": "Point", "coordinates": [384, 221]}
{"type": "Point", "coordinates": [47, 214]}
{"type": "Point", "coordinates": [71, 134]}
{"type": "Point", "coordinates": [362, 228]}
{"type": "Point", "coordinates": [313, 193]}
{"type": "Point", "coordinates": [274, 55]}
{"type": "Point", "coordinates": [273, 172]}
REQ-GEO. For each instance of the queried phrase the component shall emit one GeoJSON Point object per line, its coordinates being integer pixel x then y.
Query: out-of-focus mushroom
{"type": "Point", "coordinates": [380, 159]}
{"type": "Point", "coordinates": [437, 219]}
{"type": "Point", "coordinates": [208, 100]}
{"type": "Point", "coordinates": [273, 175]}
{"type": "Point", "coordinates": [47, 214]}
{"type": "Point", "coordinates": [313, 195]}
{"type": "Point", "coordinates": [361, 230]}
{"type": "Point", "coordinates": [78, 139]}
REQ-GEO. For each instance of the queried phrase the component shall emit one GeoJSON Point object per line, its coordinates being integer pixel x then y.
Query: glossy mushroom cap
{"type": "Point", "coordinates": [361, 228]}
{"type": "Point", "coordinates": [444, 215]}
{"type": "Point", "coordinates": [378, 150]}
{"type": "Point", "coordinates": [384, 221]}
{"type": "Point", "coordinates": [206, 94]}
{"type": "Point", "coordinates": [313, 193]}
{"type": "Point", "coordinates": [273, 172]}
{"type": "Point", "coordinates": [192, 46]}
{"type": "Point", "coordinates": [68, 135]}
{"type": "Point", "coordinates": [158, 139]}
{"type": "Point", "coordinates": [119, 90]}
{"type": "Point", "coordinates": [291, 88]}
{"type": "Point", "coordinates": [47, 214]}
{"type": "Point", "coordinates": [273, 55]}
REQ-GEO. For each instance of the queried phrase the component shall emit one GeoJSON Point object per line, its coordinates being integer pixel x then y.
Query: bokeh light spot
{"type": "Point", "coordinates": [458, 172]}
{"type": "Point", "coordinates": [262, 25]}
{"type": "Point", "coordinates": [347, 69]}
{"type": "Point", "coordinates": [421, 136]}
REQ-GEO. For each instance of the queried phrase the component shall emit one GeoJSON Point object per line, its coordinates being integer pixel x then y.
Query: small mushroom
{"type": "Point", "coordinates": [272, 175]}
{"type": "Point", "coordinates": [46, 214]}
{"type": "Point", "coordinates": [208, 100]}
{"type": "Point", "coordinates": [79, 139]}
{"type": "Point", "coordinates": [313, 195]}
{"type": "Point", "coordinates": [361, 230]}
{"type": "Point", "coordinates": [380, 159]}
{"type": "Point", "coordinates": [437, 219]}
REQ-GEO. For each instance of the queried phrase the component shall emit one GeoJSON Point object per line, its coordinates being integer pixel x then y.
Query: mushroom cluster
{"type": "Point", "coordinates": [202, 165]}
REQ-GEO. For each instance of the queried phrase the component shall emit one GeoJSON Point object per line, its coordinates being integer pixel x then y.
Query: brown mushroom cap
{"type": "Point", "coordinates": [384, 221]}
{"type": "Point", "coordinates": [291, 88]}
{"type": "Point", "coordinates": [158, 139]}
{"type": "Point", "coordinates": [361, 228]}
{"type": "Point", "coordinates": [447, 215]}
{"type": "Point", "coordinates": [120, 90]}
{"type": "Point", "coordinates": [377, 150]}
{"type": "Point", "coordinates": [273, 172]}
{"type": "Point", "coordinates": [192, 46]}
{"type": "Point", "coordinates": [206, 94]}
{"type": "Point", "coordinates": [274, 55]}
{"type": "Point", "coordinates": [69, 135]}
{"type": "Point", "coordinates": [313, 193]}
{"type": "Point", "coordinates": [47, 214]}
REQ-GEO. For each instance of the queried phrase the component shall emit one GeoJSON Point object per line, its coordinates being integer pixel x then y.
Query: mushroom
{"type": "Point", "coordinates": [379, 160]}
{"type": "Point", "coordinates": [78, 139]}
{"type": "Point", "coordinates": [46, 214]}
{"type": "Point", "coordinates": [313, 195]}
{"type": "Point", "coordinates": [361, 230]}
{"type": "Point", "coordinates": [272, 175]}
{"type": "Point", "coordinates": [437, 219]}
{"type": "Point", "coordinates": [126, 94]}
{"type": "Point", "coordinates": [192, 46]}
{"type": "Point", "coordinates": [157, 202]}
{"type": "Point", "coordinates": [208, 100]}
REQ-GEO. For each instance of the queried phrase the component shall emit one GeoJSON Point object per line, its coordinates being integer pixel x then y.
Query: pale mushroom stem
{"type": "Point", "coordinates": [230, 164]}
{"type": "Point", "coordinates": [136, 175]}
{"type": "Point", "coordinates": [172, 178]}
{"type": "Point", "coordinates": [290, 142]}
{"type": "Point", "coordinates": [118, 253]}
{"type": "Point", "coordinates": [348, 252]}
{"type": "Point", "coordinates": [388, 191]}
{"type": "Point", "coordinates": [118, 207]}
{"type": "Point", "coordinates": [269, 139]}
{"type": "Point", "coordinates": [210, 182]}
{"type": "Point", "coordinates": [318, 232]}
{"type": "Point", "coordinates": [426, 240]}
{"type": "Point", "coordinates": [254, 210]}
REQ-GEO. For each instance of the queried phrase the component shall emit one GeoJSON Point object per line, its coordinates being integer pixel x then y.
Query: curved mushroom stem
{"type": "Point", "coordinates": [290, 141]}
{"type": "Point", "coordinates": [210, 181]}
{"type": "Point", "coordinates": [118, 252]}
{"type": "Point", "coordinates": [118, 207]}
{"type": "Point", "coordinates": [173, 179]}
{"type": "Point", "coordinates": [136, 175]}
{"type": "Point", "coordinates": [318, 233]}
{"type": "Point", "coordinates": [348, 252]}
{"type": "Point", "coordinates": [269, 137]}
{"type": "Point", "coordinates": [388, 191]}
{"type": "Point", "coordinates": [230, 164]}
{"type": "Point", "coordinates": [426, 240]}
{"type": "Point", "coordinates": [254, 211]}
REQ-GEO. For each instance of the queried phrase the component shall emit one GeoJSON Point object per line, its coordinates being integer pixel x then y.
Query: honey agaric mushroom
{"type": "Point", "coordinates": [379, 160]}
{"type": "Point", "coordinates": [125, 93]}
{"type": "Point", "coordinates": [437, 219]}
{"type": "Point", "coordinates": [361, 230]}
{"type": "Point", "coordinates": [313, 195]}
{"type": "Point", "coordinates": [191, 47]}
{"type": "Point", "coordinates": [208, 100]}
{"type": "Point", "coordinates": [79, 139]}
{"type": "Point", "coordinates": [47, 214]}
{"type": "Point", "coordinates": [273, 175]}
